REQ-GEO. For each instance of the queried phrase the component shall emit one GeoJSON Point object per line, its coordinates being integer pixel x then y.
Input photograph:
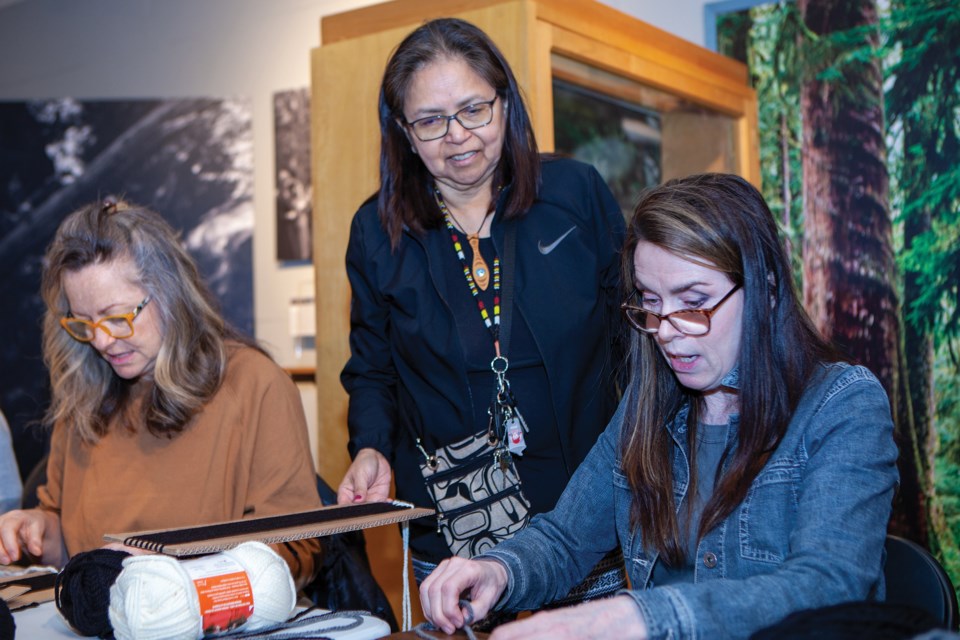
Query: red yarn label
{"type": "Point", "coordinates": [223, 591]}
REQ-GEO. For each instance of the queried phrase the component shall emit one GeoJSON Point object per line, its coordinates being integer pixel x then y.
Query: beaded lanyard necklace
{"type": "Point", "coordinates": [493, 325]}
{"type": "Point", "coordinates": [509, 426]}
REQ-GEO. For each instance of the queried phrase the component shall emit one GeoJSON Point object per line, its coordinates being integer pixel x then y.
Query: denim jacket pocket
{"type": "Point", "coordinates": [769, 511]}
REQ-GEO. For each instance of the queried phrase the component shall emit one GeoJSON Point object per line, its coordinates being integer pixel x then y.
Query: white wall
{"type": "Point", "coordinates": [683, 18]}
{"type": "Point", "coordinates": [209, 48]}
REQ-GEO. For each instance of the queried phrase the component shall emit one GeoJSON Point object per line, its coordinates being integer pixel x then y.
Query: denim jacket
{"type": "Point", "coordinates": [809, 533]}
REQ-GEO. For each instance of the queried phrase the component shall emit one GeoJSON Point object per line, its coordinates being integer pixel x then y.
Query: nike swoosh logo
{"type": "Point", "coordinates": [547, 248]}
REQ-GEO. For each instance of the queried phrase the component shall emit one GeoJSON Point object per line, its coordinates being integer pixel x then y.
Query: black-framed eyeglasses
{"type": "Point", "coordinates": [472, 116]}
{"type": "Point", "coordinates": [690, 322]}
{"type": "Point", "coordinates": [117, 326]}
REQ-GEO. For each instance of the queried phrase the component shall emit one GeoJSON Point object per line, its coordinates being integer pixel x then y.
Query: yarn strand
{"type": "Point", "coordinates": [308, 617]}
{"type": "Point", "coordinates": [424, 629]}
{"type": "Point", "coordinates": [407, 614]}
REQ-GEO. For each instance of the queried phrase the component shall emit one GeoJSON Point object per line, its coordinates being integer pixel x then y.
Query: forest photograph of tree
{"type": "Point", "coordinates": [860, 160]}
{"type": "Point", "coordinates": [191, 160]}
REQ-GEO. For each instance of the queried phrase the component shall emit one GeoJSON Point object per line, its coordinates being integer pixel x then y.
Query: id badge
{"type": "Point", "coordinates": [515, 440]}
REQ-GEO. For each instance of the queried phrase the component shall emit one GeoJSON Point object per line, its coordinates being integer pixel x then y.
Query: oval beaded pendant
{"type": "Point", "coordinates": [481, 273]}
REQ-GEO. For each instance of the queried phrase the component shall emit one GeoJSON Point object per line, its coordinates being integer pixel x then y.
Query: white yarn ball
{"type": "Point", "coordinates": [274, 594]}
{"type": "Point", "coordinates": [154, 597]}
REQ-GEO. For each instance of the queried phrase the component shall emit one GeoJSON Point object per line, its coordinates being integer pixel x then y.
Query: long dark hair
{"type": "Point", "coordinates": [86, 393]}
{"type": "Point", "coordinates": [722, 220]}
{"type": "Point", "coordinates": [406, 197]}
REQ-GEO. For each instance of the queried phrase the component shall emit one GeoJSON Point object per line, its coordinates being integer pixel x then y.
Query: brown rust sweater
{"type": "Point", "coordinates": [246, 454]}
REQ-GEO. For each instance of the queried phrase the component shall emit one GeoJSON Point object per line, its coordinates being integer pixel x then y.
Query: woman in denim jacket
{"type": "Point", "coordinates": [748, 472]}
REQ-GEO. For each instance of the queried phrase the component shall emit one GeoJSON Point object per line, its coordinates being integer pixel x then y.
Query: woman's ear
{"type": "Point", "coordinates": [772, 281]}
{"type": "Point", "coordinates": [406, 132]}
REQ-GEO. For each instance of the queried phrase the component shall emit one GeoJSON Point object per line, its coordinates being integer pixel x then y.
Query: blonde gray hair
{"type": "Point", "coordinates": [86, 393]}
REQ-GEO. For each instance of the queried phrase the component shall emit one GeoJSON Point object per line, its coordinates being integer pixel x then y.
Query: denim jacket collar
{"type": "Point", "coordinates": [678, 426]}
{"type": "Point", "coordinates": [732, 379]}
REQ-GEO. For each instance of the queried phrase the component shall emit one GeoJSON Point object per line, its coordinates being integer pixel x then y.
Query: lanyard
{"type": "Point", "coordinates": [492, 324]}
{"type": "Point", "coordinates": [506, 423]}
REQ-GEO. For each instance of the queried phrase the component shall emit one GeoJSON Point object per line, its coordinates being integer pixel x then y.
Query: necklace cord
{"type": "Point", "coordinates": [480, 271]}
{"type": "Point", "coordinates": [473, 278]}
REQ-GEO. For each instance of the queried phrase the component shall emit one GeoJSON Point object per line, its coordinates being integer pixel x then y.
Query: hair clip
{"type": "Point", "coordinates": [109, 205]}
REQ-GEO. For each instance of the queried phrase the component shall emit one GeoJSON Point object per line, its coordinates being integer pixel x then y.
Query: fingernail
{"type": "Point", "coordinates": [357, 498]}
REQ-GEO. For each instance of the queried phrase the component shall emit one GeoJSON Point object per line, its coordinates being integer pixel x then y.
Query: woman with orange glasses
{"type": "Point", "coordinates": [163, 415]}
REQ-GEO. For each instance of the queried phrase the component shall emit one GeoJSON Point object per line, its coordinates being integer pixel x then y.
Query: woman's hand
{"type": "Point", "coordinates": [480, 581]}
{"type": "Point", "coordinates": [35, 531]}
{"type": "Point", "coordinates": [617, 617]}
{"type": "Point", "coordinates": [367, 479]}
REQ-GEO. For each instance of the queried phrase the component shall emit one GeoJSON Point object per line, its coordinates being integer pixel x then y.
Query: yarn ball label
{"type": "Point", "coordinates": [223, 591]}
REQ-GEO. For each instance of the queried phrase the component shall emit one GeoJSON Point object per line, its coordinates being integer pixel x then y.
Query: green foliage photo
{"type": "Point", "coordinates": [917, 44]}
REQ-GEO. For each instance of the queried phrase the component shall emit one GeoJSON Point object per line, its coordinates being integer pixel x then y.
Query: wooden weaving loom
{"type": "Point", "coordinates": [191, 541]}
{"type": "Point", "coordinates": [27, 587]}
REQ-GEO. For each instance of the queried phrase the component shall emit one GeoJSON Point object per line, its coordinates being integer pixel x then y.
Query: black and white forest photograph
{"type": "Point", "coordinates": [191, 160]}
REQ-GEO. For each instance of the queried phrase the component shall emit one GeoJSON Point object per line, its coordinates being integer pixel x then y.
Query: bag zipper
{"type": "Point", "coordinates": [506, 493]}
{"type": "Point", "coordinates": [461, 469]}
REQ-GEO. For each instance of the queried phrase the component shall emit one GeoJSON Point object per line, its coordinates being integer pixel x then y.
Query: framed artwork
{"type": "Point", "coordinates": [294, 186]}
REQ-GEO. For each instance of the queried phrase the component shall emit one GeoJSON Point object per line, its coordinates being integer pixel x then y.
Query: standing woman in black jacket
{"type": "Point", "coordinates": [459, 166]}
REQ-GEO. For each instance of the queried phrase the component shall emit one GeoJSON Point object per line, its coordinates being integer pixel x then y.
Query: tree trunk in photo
{"type": "Point", "coordinates": [849, 270]}
{"type": "Point", "coordinates": [919, 358]}
{"type": "Point", "coordinates": [923, 98]}
{"type": "Point", "coordinates": [918, 337]}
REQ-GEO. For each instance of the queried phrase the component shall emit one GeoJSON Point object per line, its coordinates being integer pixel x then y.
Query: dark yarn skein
{"type": "Point", "coordinates": [7, 626]}
{"type": "Point", "coordinates": [82, 590]}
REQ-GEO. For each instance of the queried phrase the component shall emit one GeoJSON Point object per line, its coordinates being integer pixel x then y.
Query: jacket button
{"type": "Point", "coordinates": [710, 559]}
